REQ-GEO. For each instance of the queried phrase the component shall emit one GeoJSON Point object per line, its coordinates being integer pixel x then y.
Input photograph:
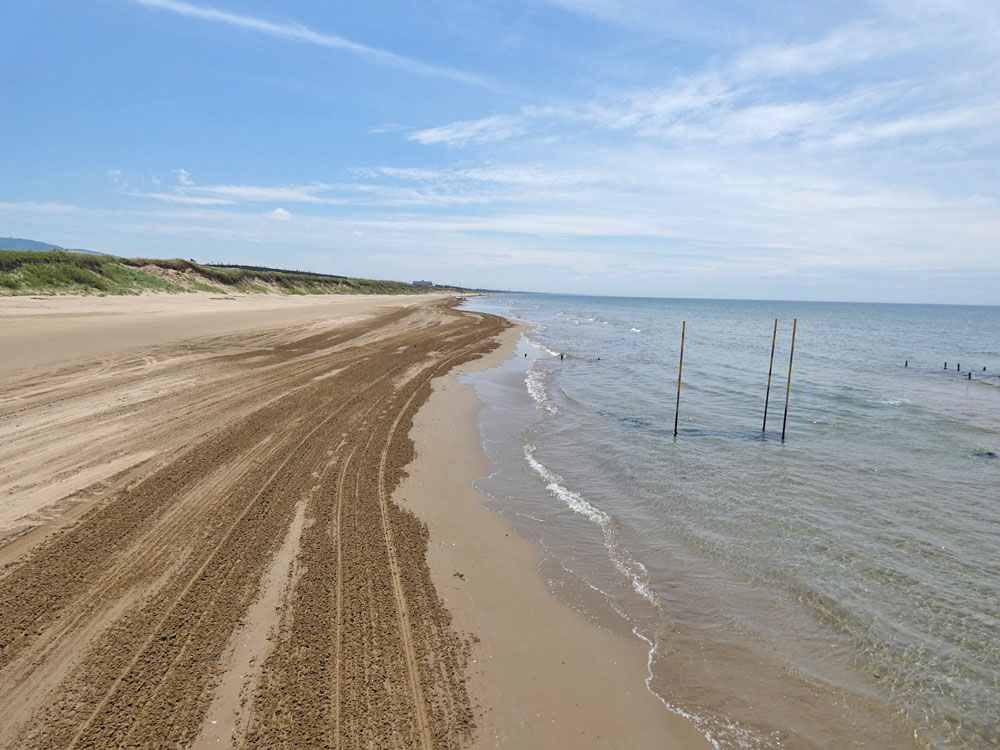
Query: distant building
{"type": "Point", "coordinates": [423, 283]}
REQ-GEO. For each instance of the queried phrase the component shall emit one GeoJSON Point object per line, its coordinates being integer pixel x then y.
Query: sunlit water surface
{"type": "Point", "coordinates": [840, 589]}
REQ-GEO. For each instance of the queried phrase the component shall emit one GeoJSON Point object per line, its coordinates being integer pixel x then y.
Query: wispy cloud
{"type": "Point", "coordinates": [312, 193]}
{"type": "Point", "coordinates": [117, 178]}
{"type": "Point", "coordinates": [845, 46]}
{"type": "Point", "coordinates": [637, 15]}
{"type": "Point", "coordinates": [191, 193]}
{"type": "Point", "coordinates": [519, 175]}
{"type": "Point", "coordinates": [183, 177]}
{"type": "Point", "coordinates": [926, 123]}
{"type": "Point", "coordinates": [298, 33]}
{"type": "Point", "coordinates": [831, 146]}
{"type": "Point", "coordinates": [35, 207]}
{"type": "Point", "coordinates": [487, 130]}
{"type": "Point", "coordinates": [737, 102]}
{"type": "Point", "coordinates": [388, 127]}
{"type": "Point", "coordinates": [194, 200]}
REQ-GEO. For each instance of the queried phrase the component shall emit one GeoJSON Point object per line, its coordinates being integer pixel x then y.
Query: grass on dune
{"type": "Point", "coordinates": [66, 272]}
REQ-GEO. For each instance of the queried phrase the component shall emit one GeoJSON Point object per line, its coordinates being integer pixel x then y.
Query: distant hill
{"type": "Point", "coordinates": [19, 243]}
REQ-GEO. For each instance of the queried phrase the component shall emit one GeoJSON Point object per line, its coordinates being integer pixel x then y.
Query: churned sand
{"type": "Point", "coordinates": [204, 541]}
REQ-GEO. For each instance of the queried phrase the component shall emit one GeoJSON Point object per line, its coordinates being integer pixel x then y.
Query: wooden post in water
{"type": "Point", "coordinates": [680, 369]}
{"type": "Point", "coordinates": [788, 387]}
{"type": "Point", "coordinates": [770, 368]}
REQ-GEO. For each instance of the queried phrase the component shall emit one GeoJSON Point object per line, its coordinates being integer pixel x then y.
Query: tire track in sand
{"type": "Point", "coordinates": [363, 654]}
{"type": "Point", "coordinates": [157, 628]}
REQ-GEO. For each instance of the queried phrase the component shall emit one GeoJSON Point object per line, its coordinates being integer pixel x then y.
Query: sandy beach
{"type": "Point", "coordinates": [249, 522]}
{"type": "Point", "coordinates": [543, 675]}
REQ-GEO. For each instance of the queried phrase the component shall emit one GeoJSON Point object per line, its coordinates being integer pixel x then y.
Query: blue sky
{"type": "Point", "coordinates": [781, 150]}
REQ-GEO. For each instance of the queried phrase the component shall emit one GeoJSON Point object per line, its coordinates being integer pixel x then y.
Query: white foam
{"type": "Point", "coordinates": [632, 570]}
{"type": "Point", "coordinates": [574, 501]}
{"type": "Point", "coordinates": [543, 348]}
{"type": "Point", "coordinates": [636, 330]}
{"type": "Point", "coordinates": [889, 401]}
{"type": "Point", "coordinates": [717, 731]}
{"type": "Point", "coordinates": [636, 573]}
{"type": "Point", "coordinates": [696, 720]}
{"type": "Point", "coordinates": [535, 381]}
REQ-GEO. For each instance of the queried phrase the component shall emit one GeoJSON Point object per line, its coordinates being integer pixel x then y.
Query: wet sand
{"type": "Point", "coordinates": [543, 675]}
{"type": "Point", "coordinates": [200, 546]}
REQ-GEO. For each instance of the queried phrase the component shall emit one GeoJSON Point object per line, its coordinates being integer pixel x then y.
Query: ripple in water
{"type": "Point", "coordinates": [839, 589]}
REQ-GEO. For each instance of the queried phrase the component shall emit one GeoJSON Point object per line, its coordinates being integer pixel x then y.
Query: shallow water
{"type": "Point", "coordinates": [839, 589]}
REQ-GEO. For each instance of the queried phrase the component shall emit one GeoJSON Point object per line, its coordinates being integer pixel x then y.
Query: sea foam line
{"type": "Point", "coordinates": [535, 381]}
{"type": "Point", "coordinates": [627, 566]}
{"type": "Point", "coordinates": [633, 570]}
{"type": "Point", "coordinates": [542, 347]}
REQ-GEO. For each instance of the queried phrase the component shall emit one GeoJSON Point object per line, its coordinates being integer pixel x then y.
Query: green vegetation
{"type": "Point", "coordinates": [65, 272]}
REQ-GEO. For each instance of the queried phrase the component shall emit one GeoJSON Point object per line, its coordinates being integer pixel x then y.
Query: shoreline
{"type": "Point", "coordinates": [581, 466]}
{"type": "Point", "coordinates": [542, 675]}
{"type": "Point", "coordinates": [132, 426]}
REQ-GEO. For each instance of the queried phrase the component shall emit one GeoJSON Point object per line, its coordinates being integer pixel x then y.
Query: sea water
{"type": "Point", "coordinates": [840, 588]}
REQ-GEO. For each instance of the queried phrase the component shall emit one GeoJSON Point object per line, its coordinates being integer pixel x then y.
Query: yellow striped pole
{"type": "Point", "coordinates": [770, 369]}
{"type": "Point", "coordinates": [789, 386]}
{"type": "Point", "coordinates": [680, 369]}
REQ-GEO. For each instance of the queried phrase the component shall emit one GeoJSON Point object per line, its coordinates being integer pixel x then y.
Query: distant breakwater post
{"type": "Point", "coordinates": [680, 369]}
{"type": "Point", "coordinates": [770, 369]}
{"type": "Point", "coordinates": [958, 371]}
{"type": "Point", "coordinates": [788, 387]}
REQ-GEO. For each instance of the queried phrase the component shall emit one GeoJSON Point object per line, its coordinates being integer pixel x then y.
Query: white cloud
{"type": "Point", "coordinates": [925, 123]}
{"type": "Point", "coordinates": [196, 200]}
{"type": "Point", "coordinates": [268, 193]}
{"type": "Point", "coordinates": [848, 45]}
{"type": "Point", "coordinates": [189, 192]}
{"type": "Point", "coordinates": [279, 214]}
{"type": "Point", "coordinates": [298, 33]}
{"type": "Point", "coordinates": [518, 175]}
{"type": "Point", "coordinates": [34, 207]}
{"type": "Point", "coordinates": [389, 127]}
{"type": "Point", "coordinates": [487, 130]}
{"type": "Point", "coordinates": [638, 15]}
{"type": "Point", "coordinates": [865, 147]}
{"type": "Point", "coordinates": [737, 101]}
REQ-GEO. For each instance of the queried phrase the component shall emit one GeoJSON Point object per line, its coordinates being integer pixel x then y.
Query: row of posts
{"type": "Point", "coordinates": [958, 368]}
{"type": "Point", "coordinates": [770, 369]}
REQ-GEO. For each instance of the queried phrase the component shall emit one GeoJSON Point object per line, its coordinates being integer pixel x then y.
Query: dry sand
{"type": "Point", "coordinates": [199, 545]}
{"type": "Point", "coordinates": [48, 329]}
